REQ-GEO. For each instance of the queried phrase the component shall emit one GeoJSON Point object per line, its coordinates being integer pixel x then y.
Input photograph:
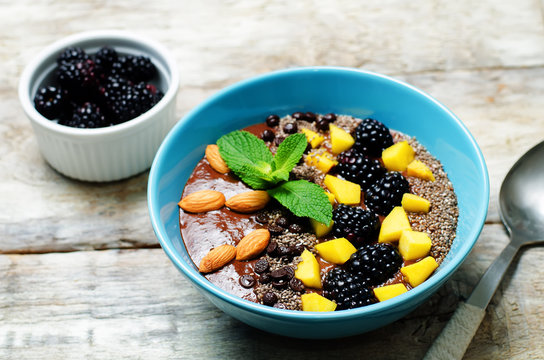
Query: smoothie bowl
{"type": "Point", "coordinates": [356, 143]}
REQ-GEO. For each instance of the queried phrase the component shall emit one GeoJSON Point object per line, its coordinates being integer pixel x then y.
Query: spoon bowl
{"type": "Point", "coordinates": [521, 197]}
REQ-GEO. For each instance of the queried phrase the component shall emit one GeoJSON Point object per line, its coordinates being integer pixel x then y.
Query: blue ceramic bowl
{"type": "Point", "coordinates": [323, 90]}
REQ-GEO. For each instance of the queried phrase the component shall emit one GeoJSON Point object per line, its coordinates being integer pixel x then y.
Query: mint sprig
{"type": "Point", "coordinates": [251, 160]}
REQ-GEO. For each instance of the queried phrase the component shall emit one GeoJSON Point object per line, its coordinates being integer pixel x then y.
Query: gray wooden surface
{"type": "Point", "coordinates": [81, 273]}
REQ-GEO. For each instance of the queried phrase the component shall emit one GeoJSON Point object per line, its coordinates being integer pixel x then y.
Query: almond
{"type": "Point", "coordinates": [248, 202]}
{"type": "Point", "coordinates": [252, 244]}
{"type": "Point", "coordinates": [202, 201]}
{"type": "Point", "coordinates": [215, 159]}
{"type": "Point", "coordinates": [217, 258]}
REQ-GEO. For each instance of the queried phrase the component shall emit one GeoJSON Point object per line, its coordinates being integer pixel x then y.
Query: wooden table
{"type": "Point", "coordinates": [81, 272]}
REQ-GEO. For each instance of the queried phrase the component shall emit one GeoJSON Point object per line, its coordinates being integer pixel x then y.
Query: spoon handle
{"type": "Point", "coordinates": [455, 338]}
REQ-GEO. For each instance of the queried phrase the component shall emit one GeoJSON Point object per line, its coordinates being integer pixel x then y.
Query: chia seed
{"type": "Point", "coordinates": [348, 123]}
{"type": "Point", "coordinates": [440, 223]}
{"type": "Point", "coordinates": [307, 172]}
{"type": "Point", "coordinates": [288, 297]}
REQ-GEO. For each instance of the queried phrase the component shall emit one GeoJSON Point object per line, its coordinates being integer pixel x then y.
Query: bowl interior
{"type": "Point", "coordinates": [339, 90]}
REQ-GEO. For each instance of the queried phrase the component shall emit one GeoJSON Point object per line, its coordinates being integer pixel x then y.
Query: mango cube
{"type": "Point", "coordinates": [321, 229]}
{"type": "Point", "coordinates": [316, 302]}
{"type": "Point", "coordinates": [336, 251]}
{"type": "Point", "coordinates": [389, 291]}
{"type": "Point", "coordinates": [393, 225]}
{"type": "Point", "coordinates": [344, 191]}
{"type": "Point", "coordinates": [414, 203]}
{"type": "Point", "coordinates": [308, 270]}
{"type": "Point", "coordinates": [398, 156]}
{"type": "Point", "coordinates": [418, 169]}
{"type": "Point", "coordinates": [419, 272]}
{"type": "Point", "coordinates": [414, 245]}
{"type": "Point", "coordinates": [330, 196]}
{"type": "Point", "coordinates": [312, 137]}
{"type": "Point", "coordinates": [323, 162]}
{"type": "Point", "coordinates": [341, 140]}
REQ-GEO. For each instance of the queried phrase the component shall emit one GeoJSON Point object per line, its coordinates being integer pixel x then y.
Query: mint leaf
{"type": "Point", "coordinates": [304, 198]}
{"type": "Point", "coordinates": [279, 175]}
{"type": "Point", "coordinates": [289, 153]}
{"type": "Point", "coordinates": [255, 177]}
{"type": "Point", "coordinates": [248, 157]}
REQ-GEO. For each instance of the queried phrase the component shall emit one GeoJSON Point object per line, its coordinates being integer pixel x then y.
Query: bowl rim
{"type": "Point", "coordinates": [374, 309]}
{"type": "Point", "coordinates": [172, 76]}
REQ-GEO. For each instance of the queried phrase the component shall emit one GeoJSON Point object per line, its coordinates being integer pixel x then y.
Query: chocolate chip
{"type": "Point", "coordinates": [298, 115]}
{"type": "Point", "coordinates": [269, 298]}
{"type": "Point", "coordinates": [272, 120]}
{"type": "Point", "coordinates": [289, 272]}
{"type": "Point", "coordinates": [280, 306]}
{"type": "Point", "coordinates": [283, 251]}
{"type": "Point", "coordinates": [330, 117]}
{"type": "Point", "coordinates": [296, 285]}
{"type": "Point", "coordinates": [282, 221]}
{"type": "Point", "coordinates": [279, 273]}
{"type": "Point", "coordinates": [261, 266]}
{"type": "Point", "coordinates": [265, 278]}
{"type": "Point", "coordinates": [267, 135]}
{"type": "Point", "coordinates": [246, 281]}
{"type": "Point", "coordinates": [272, 248]}
{"type": "Point", "coordinates": [297, 249]}
{"type": "Point", "coordinates": [261, 218]}
{"type": "Point", "coordinates": [280, 283]}
{"type": "Point", "coordinates": [295, 228]}
{"type": "Point", "coordinates": [310, 116]}
{"type": "Point", "coordinates": [322, 125]}
{"type": "Point", "coordinates": [275, 229]}
{"type": "Point", "coordinates": [290, 128]}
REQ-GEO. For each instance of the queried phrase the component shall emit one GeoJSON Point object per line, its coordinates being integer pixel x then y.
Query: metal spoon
{"type": "Point", "coordinates": [521, 201]}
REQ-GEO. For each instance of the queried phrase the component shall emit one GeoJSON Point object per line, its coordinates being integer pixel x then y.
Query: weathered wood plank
{"type": "Point", "coordinates": [48, 212]}
{"type": "Point", "coordinates": [134, 304]}
{"type": "Point", "coordinates": [483, 60]}
{"type": "Point", "coordinates": [218, 42]}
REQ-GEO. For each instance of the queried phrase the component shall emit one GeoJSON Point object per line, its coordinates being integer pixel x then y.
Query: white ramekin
{"type": "Point", "coordinates": [102, 154]}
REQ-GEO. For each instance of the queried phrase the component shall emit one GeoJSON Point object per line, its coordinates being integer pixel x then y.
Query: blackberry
{"type": "Point", "coordinates": [375, 263]}
{"type": "Point", "coordinates": [347, 289]}
{"type": "Point", "coordinates": [105, 57]}
{"type": "Point", "coordinates": [126, 101]}
{"type": "Point", "coordinates": [135, 68]}
{"type": "Point", "coordinates": [386, 193]}
{"type": "Point", "coordinates": [355, 224]}
{"type": "Point", "coordinates": [359, 169]}
{"type": "Point", "coordinates": [87, 116]}
{"type": "Point", "coordinates": [78, 76]}
{"type": "Point", "coordinates": [72, 54]}
{"type": "Point", "coordinates": [372, 137]}
{"type": "Point", "coordinates": [51, 102]}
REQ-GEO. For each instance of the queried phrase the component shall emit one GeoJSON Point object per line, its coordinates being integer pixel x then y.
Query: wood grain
{"type": "Point", "coordinates": [133, 303]}
{"type": "Point", "coordinates": [62, 298]}
{"type": "Point", "coordinates": [67, 215]}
